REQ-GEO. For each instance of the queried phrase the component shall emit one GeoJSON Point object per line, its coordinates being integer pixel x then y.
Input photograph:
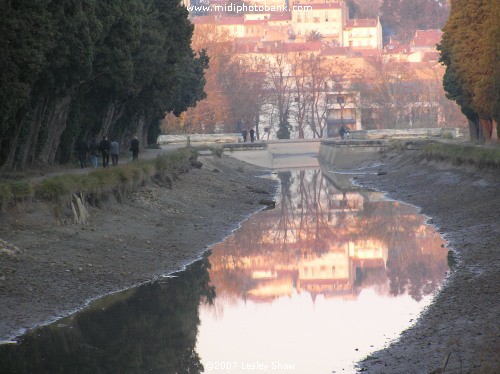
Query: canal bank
{"type": "Point", "coordinates": [48, 271]}
{"type": "Point", "coordinates": [303, 275]}
{"type": "Point", "coordinates": [459, 333]}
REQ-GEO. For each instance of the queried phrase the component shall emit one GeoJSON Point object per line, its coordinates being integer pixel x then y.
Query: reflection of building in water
{"type": "Point", "coordinates": [333, 273]}
{"type": "Point", "coordinates": [324, 242]}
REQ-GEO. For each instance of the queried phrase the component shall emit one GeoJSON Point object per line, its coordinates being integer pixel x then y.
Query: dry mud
{"type": "Point", "coordinates": [48, 270]}
{"type": "Point", "coordinates": [459, 333]}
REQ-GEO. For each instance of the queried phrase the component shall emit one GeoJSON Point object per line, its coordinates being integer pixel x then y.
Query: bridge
{"type": "Point", "coordinates": [306, 153]}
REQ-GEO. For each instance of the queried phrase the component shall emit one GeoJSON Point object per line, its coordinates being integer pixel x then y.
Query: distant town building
{"type": "Point", "coordinates": [327, 19]}
{"type": "Point", "coordinates": [363, 33]}
{"type": "Point", "coordinates": [312, 29]}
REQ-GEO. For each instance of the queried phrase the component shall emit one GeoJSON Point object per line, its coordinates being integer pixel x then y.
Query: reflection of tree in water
{"type": "Point", "coordinates": [298, 224]}
{"type": "Point", "coordinates": [416, 262]}
{"type": "Point", "coordinates": [286, 218]}
{"type": "Point", "coordinates": [152, 331]}
{"type": "Point", "coordinates": [314, 218]}
{"type": "Point", "coordinates": [303, 224]}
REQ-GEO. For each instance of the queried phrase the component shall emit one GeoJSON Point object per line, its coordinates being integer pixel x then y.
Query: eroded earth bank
{"type": "Point", "coordinates": [459, 333]}
{"type": "Point", "coordinates": [49, 270]}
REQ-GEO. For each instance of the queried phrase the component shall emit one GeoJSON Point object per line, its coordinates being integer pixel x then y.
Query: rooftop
{"type": "Point", "coordinates": [427, 38]}
{"type": "Point", "coordinates": [366, 22]}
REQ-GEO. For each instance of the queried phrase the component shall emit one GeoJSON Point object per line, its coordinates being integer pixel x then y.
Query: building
{"type": "Point", "coordinates": [363, 33]}
{"type": "Point", "coordinates": [327, 19]}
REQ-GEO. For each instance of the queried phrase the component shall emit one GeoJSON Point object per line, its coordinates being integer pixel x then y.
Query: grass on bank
{"type": "Point", "coordinates": [98, 185]}
{"type": "Point", "coordinates": [479, 156]}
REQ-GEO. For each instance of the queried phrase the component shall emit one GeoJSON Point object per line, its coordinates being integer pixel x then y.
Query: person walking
{"type": "Point", "coordinates": [94, 153]}
{"type": "Point", "coordinates": [252, 135]}
{"type": "Point", "coordinates": [115, 152]}
{"type": "Point", "coordinates": [82, 149]}
{"type": "Point", "coordinates": [342, 132]}
{"type": "Point", "coordinates": [244, 135]}
{"type": "Point", "coordinates": [134, 148]}
{"type": "Point", "coordinates": [105, 147]}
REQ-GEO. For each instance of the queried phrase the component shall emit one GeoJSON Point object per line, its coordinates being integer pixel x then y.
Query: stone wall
{"type": "Point", "coordinates": [451, 133]}
{"type": "Point", "coordinates": [199, 138]}
{"type": "Point", "coordinates": [344, 153]}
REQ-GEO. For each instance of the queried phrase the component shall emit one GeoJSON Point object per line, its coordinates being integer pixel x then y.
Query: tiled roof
{"type": "Point", "coordinates": [395, 47]}
{"type": "Point", "coordinates": [320, 6]}
{"type": "Point", "coordinates": [256, 22]}
{"type": "Point", "coordinates": [367, 22]}
{"type": "Point", "coordinates": [302, 47]}
{"type": "Point", "coordinates": [203, 20]}
{"type": "Point", "coordinates": [336, 51]}
{"type": "Point", "coordinates": [367, 52]}
{"type": "Point", "coordinates": [427, 38]}
{"type": "Point", "coordinates": [286, 16]}
{"type": "Point", "coordinates": [230, 20]}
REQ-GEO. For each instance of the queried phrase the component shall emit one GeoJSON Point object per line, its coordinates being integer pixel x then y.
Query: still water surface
{"type": "Point", "coordinates": [330, 275]}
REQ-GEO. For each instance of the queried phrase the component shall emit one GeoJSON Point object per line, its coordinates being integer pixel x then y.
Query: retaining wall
{"type": "Point", "coordinates": [344, 153]}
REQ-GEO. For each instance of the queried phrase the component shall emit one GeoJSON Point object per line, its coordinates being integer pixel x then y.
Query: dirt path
{"type": "Point", "coordinates": [48, 271]}
{"type": "Point", "coordinates": [459, 333]}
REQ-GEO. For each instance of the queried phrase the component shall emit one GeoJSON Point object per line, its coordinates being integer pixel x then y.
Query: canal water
{"type": "Point", "coordinates": [329, 276]}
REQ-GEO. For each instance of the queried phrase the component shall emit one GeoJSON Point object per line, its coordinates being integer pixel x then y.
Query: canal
{"type": "Point", "coordinates": [329, 276]}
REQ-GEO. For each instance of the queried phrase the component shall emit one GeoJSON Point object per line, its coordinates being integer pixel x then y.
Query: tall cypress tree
{"type": "Point", "coordinates": [468, 49]}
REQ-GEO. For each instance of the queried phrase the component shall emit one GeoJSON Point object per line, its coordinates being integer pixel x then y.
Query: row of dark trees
{"type": "Point", "coordinates": [470, 49]}
{"type": "Point", "coordinates": [89, 68]}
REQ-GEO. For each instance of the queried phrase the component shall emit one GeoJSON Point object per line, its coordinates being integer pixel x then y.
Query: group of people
{"type": "Point", "coordinates": [245, 134]}
{"type": "Point", "coordinates": [105, 148]}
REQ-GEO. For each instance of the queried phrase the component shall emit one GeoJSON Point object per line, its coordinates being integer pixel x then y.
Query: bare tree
{"type": "Point", "coordinates": [214, 109]}
{"type": "Point", "coordinates": [327, 77]}
{"type": "Point", "coordinates": [244, 84]}
{"type": "Point", "coordinates": [280, 87]}
{"type": "Point", "coordinates": [301, 94]}
{"type": "Point", "coordinates": [386, 93]}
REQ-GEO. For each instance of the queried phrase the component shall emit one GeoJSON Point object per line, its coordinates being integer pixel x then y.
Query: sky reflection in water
{"type": "Point", "coordinates": [324, 279]}
{"type": "Point", "coordinates": [330, 275]}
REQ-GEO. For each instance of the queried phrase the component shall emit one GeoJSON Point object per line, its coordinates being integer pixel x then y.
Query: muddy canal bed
{"type": "Point", "coordinates": [332, 274]}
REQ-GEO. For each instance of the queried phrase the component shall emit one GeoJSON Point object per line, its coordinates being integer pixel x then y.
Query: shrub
{"type": "Point", "coordinates": [100, 184]}
{"type": "Point", "coordinates": [6, 195]}
{"type": "Point", "coordinates": [22, 191]}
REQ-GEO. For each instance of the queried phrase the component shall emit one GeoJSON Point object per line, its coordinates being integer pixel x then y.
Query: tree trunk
{"type": "Point", "coordinates": [487, 127]}
{"type": "Point", "coordinates": [31, 144]}
{"type": "Point", "coordinates": [142, 131]}
{"type": "Point", "coordinates": [57, 122]}
{"type": "Point", "coordinates": [113, 114]}
{"type": "Point", "coordinates": [256, 120]}
{"type": "Point", "coordinates": [494, 131]}
{"type": "Point", "coordinates": [13, 145]}
{"type": "Point", "coordinates": [474, 130]}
